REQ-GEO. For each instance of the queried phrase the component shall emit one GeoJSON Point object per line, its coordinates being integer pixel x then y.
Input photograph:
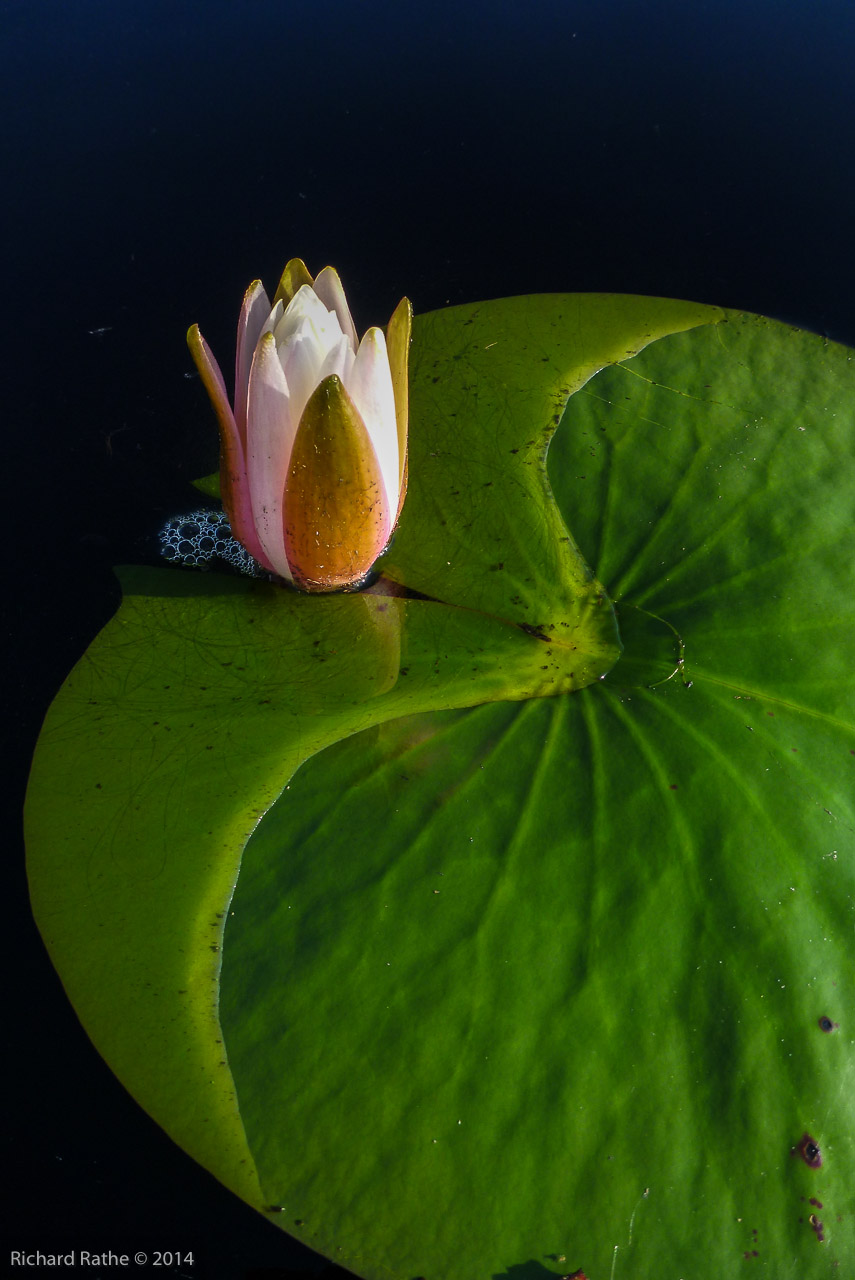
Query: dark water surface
{"type": "Point", "coordinates": [158, 156]}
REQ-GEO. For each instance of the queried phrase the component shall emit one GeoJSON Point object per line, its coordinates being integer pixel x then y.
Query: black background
{"type": "Point", "coordinates": [156, 157]}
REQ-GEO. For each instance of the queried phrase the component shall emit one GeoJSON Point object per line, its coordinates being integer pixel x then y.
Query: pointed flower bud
{"type": "Point", "coordinates": [313, 455]}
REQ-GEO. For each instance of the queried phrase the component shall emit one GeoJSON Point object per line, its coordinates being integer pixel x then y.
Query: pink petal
{"type": "Point", "coordinates": [270, 437]}
{"type": "Point", "coordinates": [253, 313]}
{"type": "Point", "coordinates": [234, 487]}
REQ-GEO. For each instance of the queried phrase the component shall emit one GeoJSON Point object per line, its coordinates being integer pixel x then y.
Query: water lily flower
{"type": "Point", "coordinates": [313, 456]}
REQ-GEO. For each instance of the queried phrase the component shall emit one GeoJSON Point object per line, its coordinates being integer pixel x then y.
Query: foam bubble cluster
{"type": "Point", "coordinates": [196, 540]}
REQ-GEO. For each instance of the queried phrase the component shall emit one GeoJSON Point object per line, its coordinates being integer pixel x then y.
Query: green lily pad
{"type": "Point", "coordinates": [528, 970]}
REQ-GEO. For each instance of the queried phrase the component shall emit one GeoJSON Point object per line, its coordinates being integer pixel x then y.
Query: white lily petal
{"type": "Point", "coordinates": [330, 290]}
{"type": "Point", "coordinates": [302, 335]}
{"type": "Point", "coordinates": [339, 360]}
{"type": "Point", "coordinates": [301, 360]}
{"type": "Point", "coordinates": [307, 306]}
{"type": "Point", "coordinates": [253, 314]}
{"type": "Point", "coordinates": [370, 388]}
{"type": "Point", "coordinates": [272, 320]}
{"type": "Point", "coordinates": [270, 439]}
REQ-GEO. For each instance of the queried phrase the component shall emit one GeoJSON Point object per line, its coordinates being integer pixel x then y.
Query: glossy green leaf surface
{"type": "Point", "coordinates": [548, 980]}
{"type": "Point", "coordinates": [525, 971]}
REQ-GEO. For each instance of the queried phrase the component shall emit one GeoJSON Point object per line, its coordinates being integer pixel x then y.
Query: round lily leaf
{"type": "Point", "coordinates": [527, 971]}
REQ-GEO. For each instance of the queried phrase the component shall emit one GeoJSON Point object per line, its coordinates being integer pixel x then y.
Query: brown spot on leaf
{"type": "Point", "coordinates": [809, 1151]}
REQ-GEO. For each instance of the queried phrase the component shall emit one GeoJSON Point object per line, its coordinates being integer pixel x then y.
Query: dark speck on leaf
{"type": "Point", "coordinates": [825, 1024]}
{"type": "Point", "coordinates": [809, 1151]}
{"type": "Point", "coordinates": [531, 628]}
